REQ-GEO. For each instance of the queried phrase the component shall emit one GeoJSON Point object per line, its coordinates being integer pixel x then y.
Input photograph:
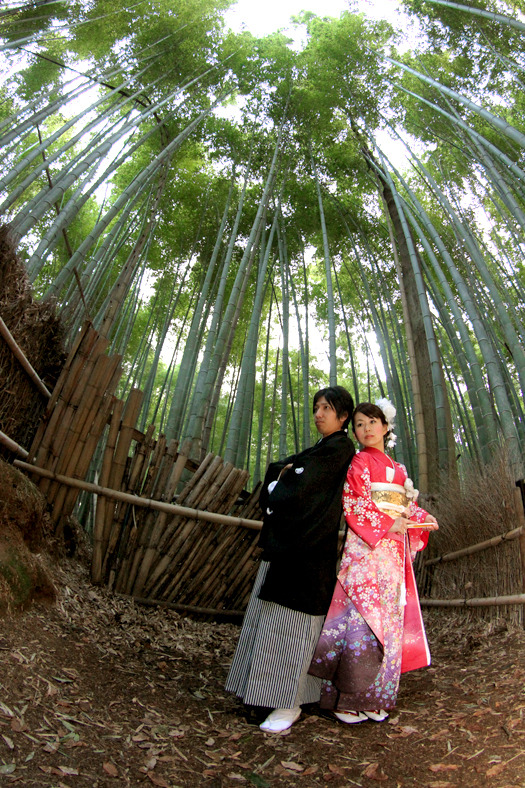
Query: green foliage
{"type": "Point", "coordinates": [337, 106]}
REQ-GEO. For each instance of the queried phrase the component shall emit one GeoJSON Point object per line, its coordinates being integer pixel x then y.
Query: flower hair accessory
{"type": "Point", "coordinates": [390, 414]}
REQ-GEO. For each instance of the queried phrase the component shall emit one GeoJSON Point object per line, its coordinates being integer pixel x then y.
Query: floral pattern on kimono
{"type": "Point", "coordinates": [370, 635]}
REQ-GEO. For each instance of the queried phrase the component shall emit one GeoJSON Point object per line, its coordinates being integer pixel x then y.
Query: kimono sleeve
{"type": "Point", "coordinates": [362, 515]}
{"type": "Point", "coordinates": [418, 538]}
{"type": "Point", "coordinates": [272, 474]}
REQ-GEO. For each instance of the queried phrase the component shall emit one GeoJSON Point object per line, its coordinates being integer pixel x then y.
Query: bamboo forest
{"type": "Point", "coordinates": [249, 219]}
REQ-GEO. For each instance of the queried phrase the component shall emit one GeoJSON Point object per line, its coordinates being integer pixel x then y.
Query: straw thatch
{"type": "Point", "coordinates": [483, 506]}
{"type": "Point", "coordinates": [38, 332]}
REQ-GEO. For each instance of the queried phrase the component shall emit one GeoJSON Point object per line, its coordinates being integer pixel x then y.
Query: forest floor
{"type": "Point", "coordinates": [97, 691]}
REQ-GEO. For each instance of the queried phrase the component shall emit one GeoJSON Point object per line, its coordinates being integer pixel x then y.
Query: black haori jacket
{"type": "Point", "coordinates": [302, 515]}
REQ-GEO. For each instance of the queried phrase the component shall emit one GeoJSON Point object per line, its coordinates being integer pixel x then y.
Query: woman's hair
{"type": "Point", "coordinates": [339, 399]}
{"type": "Point", "coordinates": [372, 411]}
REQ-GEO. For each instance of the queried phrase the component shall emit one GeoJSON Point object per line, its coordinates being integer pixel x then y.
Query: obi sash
{"type": "Point", "coordinates": [390, 498]}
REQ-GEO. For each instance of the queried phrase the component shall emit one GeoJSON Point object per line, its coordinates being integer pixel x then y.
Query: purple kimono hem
{"type": "Point", "coordinates": [349, 660]}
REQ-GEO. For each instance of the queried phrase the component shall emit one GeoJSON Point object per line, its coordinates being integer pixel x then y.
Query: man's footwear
{"type": "Point", "coordinates": [377, 716]}
{"type": "Point", "coordinates": [351, 717]}
{"type": "Point", "coordinates": [280, 720]}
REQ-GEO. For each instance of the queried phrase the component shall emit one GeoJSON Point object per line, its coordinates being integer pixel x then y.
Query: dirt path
{"type": "Point", "coordinates": [95, 691]}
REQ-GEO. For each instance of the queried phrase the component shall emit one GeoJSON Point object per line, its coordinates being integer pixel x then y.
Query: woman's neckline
{"type": "Point", "coordinates": [373, 450]}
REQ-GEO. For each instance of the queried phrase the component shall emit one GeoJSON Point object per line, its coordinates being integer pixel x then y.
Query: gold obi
{"type": "Point", "coordinates": [390, 498]}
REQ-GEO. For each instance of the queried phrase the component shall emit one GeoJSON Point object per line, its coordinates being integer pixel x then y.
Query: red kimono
{"type": "Point", "coordinates": [374, 629]}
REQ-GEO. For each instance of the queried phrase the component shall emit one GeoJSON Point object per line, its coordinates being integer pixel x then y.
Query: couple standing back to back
{"type": "Point", "coordinates": [291, 651]}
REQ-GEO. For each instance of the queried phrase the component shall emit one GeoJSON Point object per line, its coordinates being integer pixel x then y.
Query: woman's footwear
{"type": "Point", "coordinates": [377, 716]}
{"type": "Point", "coordinates": [280, 720]}
{"type": "Point", "coordinates": [351, 717]}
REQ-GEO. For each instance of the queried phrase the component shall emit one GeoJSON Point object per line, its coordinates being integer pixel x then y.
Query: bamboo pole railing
{"type": "Point", "coordinates": [13, 446]}
{"type": "Point", "coordinates": [512, 599]}
{"type": "Point", "coordinates": [19, 354]}
{"type": "Point", "coordinates": [493, 601]}
{"type": "Point", "coordinates": [143, 503]}
{"type": "Point", "coordinates": [515, 533]}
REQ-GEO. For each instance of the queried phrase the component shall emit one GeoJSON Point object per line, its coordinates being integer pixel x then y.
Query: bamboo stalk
{"type": "Point", "coordinates": [65, 410]}
{"type": "Point", "coordinates": [217, 574]}
{"type": "Point", "coordinates": [118, 469]}
{"type": "Point", "coordinates": [489, 601]}
{"type": "Point", "coordinates": [146, 503]}
{"type": "Point", "coordinates": [159, 466]}
{"type": "Point", "coordinates": [83, 458]}
{"type": "Point", "coordinates": [476, 548]}
{"type": "Point", "coordinates": [206, 611]}
{"type": "Point", "coordinates": [151, 551]}
{"type": "Point", "coordinates": [10, 444]}
{"type": "Point", "coordinates": [238, 571]}
{"type": "Point", "coordinates": [193, 495]}
{"type": "Point", "coordinates": [102, 511]}
{"type": "Point", "coordinates": [194, 547]}
{"type": "Point", "coordinates": [157, 485]}
{"type": "Point", "coordinates": [177, 540]}
{"type": "Point", "coordinates": [237, 550]}
{"type": "Point", "coordinates": [143, 451]}
{"type": "Point", "coordinates": [133, 522]}
{"type": "Point", "coordinates": [84, 337]}
{"type": "Point", "coordinates": [18, 353]}
{"type": "Point", "coordinates": [207, 559]}
{"type": "Point", "coordinates": [84, 434]}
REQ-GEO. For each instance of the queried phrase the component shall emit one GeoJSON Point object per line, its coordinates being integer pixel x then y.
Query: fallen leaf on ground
{"type": "Point", "coordinates": [292, 766]}
{"type": "Point", "coordinates": [374, 772]}
{"type": "Point", "coordinates": [159, 781]}
{"type": "Point", "coordinates": [495, 770]}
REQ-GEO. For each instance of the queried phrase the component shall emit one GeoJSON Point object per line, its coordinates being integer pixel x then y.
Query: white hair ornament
{"type": "Point", "coordinates": [390, 414]}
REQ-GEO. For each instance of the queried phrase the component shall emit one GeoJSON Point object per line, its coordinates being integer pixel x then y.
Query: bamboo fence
{"type": "Point", "coordinates": [166, 529]}
{"type": "Point", "coordinates": [175, 554]}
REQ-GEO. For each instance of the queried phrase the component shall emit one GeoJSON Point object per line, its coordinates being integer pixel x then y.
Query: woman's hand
{"type": "Point", "coordinates": [400, 525]}
{"type": "Point", "coordinates": [431, 520]}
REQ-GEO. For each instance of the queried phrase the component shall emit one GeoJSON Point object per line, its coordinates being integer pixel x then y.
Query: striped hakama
{"type": "Point", "coordinates": [275, 648]}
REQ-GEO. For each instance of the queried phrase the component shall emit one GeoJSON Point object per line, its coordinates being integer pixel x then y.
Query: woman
{"type": "Point", "coordinates": [374, 630]}
{"type": "Point", "coordinates": [301, 502]}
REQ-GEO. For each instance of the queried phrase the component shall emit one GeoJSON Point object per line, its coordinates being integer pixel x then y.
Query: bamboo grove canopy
{"type": "Point", "coordinates": [247, 220]}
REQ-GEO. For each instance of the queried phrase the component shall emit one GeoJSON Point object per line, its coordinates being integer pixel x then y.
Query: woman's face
{"type": "Point", "coordinates": [370, 431]}
{"type": "Point", "coordinates": [326, 419]}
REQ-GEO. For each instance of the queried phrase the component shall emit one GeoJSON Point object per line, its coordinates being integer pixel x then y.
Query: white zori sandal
{"type": "Point", "coordinates": [377, 716]}
{"type": "Point", "coordinates": [280, 720]}
{"type": "Point", "coordinates": [351, 717]}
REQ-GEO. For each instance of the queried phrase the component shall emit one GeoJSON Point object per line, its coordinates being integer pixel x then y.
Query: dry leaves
{"type": "Point", "coordinates": [97, 689]}
{"type": "Point", "coordinates": [374, 772]}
